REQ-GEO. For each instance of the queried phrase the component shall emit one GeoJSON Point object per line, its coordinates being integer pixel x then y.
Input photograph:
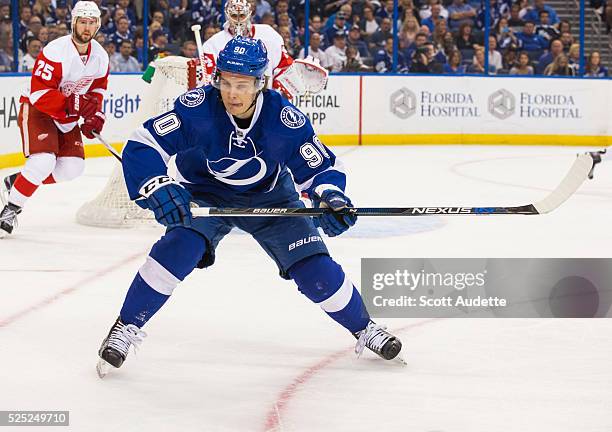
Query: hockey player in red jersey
{"type": "Point", "coordinates": [290, 77]}
{"type": "Point", "coordinates": [68, 83]}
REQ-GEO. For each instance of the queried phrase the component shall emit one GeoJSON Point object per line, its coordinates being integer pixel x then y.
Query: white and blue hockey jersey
{"type": "Point", "coordinates": [214, 155]}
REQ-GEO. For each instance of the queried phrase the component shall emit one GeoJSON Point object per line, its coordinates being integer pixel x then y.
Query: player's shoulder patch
{"type": "Point", "coordinates": [292, 118]}
{"type": "Point", "coordinates": [193, 98]}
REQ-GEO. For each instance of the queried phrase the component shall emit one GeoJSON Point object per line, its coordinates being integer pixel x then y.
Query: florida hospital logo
{"type": "Point", "coordinates": [239, 172]}
{"type": "Point", "coordinates": [403, 103]}
{"type": "Point", "coordinates": [193, 98]}
{"type": "Point", "coordinates": [292, 118]}
{"type": "Point", "coordinates": [502, 104]}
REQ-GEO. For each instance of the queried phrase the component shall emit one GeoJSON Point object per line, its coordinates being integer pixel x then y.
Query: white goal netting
{"type": "Point", "coordinates": [112, 207]}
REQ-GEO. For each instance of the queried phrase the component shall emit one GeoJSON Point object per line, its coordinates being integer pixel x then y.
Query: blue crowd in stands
{"type": "Point", "coordinates": [434, 36]}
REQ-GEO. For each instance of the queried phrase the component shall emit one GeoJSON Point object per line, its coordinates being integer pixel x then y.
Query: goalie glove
{"type": "Point", "coordinates": [302, 76]}
{"type": "Point", "coordinates": [168, 200]}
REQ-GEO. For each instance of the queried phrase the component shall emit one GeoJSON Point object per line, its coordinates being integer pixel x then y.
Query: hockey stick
{"type": "Point", "coordinates": [577, 174]}
{"type": "Point", "coordinates": [108, 146]}
{"type": "Point", "coordinates": [198, 38]}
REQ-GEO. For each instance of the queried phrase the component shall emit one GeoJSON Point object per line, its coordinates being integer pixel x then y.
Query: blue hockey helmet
{"type": "Point", "coordinates": [243, 56]}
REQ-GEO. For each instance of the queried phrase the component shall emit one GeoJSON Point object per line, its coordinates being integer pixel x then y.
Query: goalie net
{"type": "Point", "coordinates": [112, 207]}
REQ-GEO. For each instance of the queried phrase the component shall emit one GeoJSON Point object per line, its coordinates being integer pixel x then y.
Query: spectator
{"type": "Point", "coordinates": [336, 54]}
{"type": "Point", "coordinates": [567, 40]}
{"type": "Point", "coordinates": [205, 13]}
{"type": "Point", "coordinates": [454, 66]}
{"type": "Point", "coordinates": [419, 41]}
{"type": "Point", "coordinates": [268, 19]}
{"type": "Point", "coordinates": [316, 26]}
{"type": "Point", "coordinates": [353, 61]}
{"type": "Point", "coordinates": [339, 25]}
{"type": "Point", "coordinates": [158, 45]}
{"type": "Point", "coordinates": [6, 54]}
{"type": "Point", "coordinates": [506, 37]}
{"type": "Point", "coordinates": [129, 10]}
{"type": "Point", "coordinates": [427, 10]}
{"type": "Point", "coordinates": [34, 26]}
{"type": "Point", "coordinates": [545, 29]}
{"type": "Point", "coordinates": [383, 59]}
{"type": "Point", "coordinates": [61, 14]}
{"type": "Point", "coordinates": [178, 19]}
{"type": "Point", "coordinates": [564, 26]}
{"type": "Point", "coordinates": [110, 49]}
{"type": "Point", "coordinates": [123, 61]}
{"type": "Point", "coordinates": [122, 33]}
{"type": "Point", "coordinates": [386, 9]}
{"type": "Point", "coordinates": [159, 16]}
{"type": "Point", "coordinates": [377, 40]}
{"type": "Point", "coordinates": [436, 14]}
{"type": "Point", "coordinates": [465, 38]}
{"type": "Point", "coordinates": [292, 46]}
{"type": "Point", "coordinates": [460, 13]}
{"type": "Point", "coordinates": [27, 63]}
{"type": "Point", "coordinates": [522, 67]}
{"type": "Point", "coordinates": [573, 57]}
{"type": "Point", "coordinates": [594, 67]}
{"type": "Point", "coordinates": [62, 29]}
{"type": "Point", "coordinates": [496, 10]}
{"type": "Point", "coordinates": [556, 48]}
{"type": "Point", "coordinates": [439, 32]}
{"type": "Point", "coordinates": [282, 6]}
{"type": "Point", "coordinates": [283, 20]}
{"type": "Point", "coordinates": [43, 35]}
{"type": "Point", "coordinates": [43, 9]}
{"type": "Point", "coordinates": [515, 21]}
{"type": "Point", "coordinates": [477, 66]}
{"type": "Point", "coordinates": [354, 40]}
{"type": "Point", "coordinates": [189, 49]}
{"type": "Point", "coordinates": [559, 67]}
{"type": "Point", "coordinates": [315, 50]}
{"type": "Point", "coordinates": [421, 60]}
{"type": "Point", "coordinates": [369, 24]}
{"type": "Point", "coordinates": [533, 14]}
{"type": "Point", "coordinates": [261, 7]}
{"type": "Point", "coordinates": [510, 58]}
{"type": "Point", "coordinates": [100, 38]}
{"type": "Point", "coordinates": [139, 49]}
{"type": "Point", "coordinates": [209, 32]}
{"type": "Point", "coordinates": [530, 40]}
{"type": "Point", "coordinates": [495, 57]}
{"type": "Point", "coordinates": [25, 16]}
{"type": "Point", "coordinates": [406, 9]}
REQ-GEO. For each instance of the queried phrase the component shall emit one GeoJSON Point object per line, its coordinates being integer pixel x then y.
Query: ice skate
{"type": "Point", "coordinates": [115, 347]}
{"type": "Point", "coordinates": [5, 189]}
{"type": "Point", "coordinates": [8, 219]}
{"type": "Point", "coordinates": [378, 340]}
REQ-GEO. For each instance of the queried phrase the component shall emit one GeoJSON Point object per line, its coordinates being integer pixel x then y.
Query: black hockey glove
{"type": "Point", "coordinates": [333, 223]}
{"type": "Point", "coordinates": [168, 200]}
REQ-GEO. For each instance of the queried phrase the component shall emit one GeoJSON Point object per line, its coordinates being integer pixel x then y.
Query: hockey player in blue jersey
{"type": "Point", "coordinates": [235, 143]}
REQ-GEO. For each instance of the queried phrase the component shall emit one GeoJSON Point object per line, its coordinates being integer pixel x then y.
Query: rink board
{"type": "Point", "coordinates": [384, 110]}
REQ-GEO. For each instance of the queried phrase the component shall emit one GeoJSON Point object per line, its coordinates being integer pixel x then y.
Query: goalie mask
{"type": "Point", "coordinates": [86, 9]}
{"type": "Point", "coordinates": [238, 16]}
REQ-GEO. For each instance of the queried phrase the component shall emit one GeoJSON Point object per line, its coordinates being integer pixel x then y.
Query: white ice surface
{"type": "Point", "coordinates": [238, 349]}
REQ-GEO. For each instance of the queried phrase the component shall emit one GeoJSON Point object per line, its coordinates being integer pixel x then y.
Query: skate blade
{"type": "Point", "coordinates": [399, 359]}
{"type": "Point", "coordinates": [102, 368]}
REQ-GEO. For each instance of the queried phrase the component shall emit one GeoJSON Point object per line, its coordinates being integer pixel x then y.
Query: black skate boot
{"type": "Point", "coordinates": [8, 219]}
{"type": "Point", "coordinates": [115, 347]}
{"type": "Point", "coordinates": [378, 340]}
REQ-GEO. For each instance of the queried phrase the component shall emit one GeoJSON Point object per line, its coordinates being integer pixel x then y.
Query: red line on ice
{"type": "Point", "coordinates": [273, 417]}
{"type": "Point", "coordinates": [67, 291]}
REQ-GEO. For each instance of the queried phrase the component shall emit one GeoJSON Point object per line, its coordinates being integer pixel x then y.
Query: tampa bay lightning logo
{"type": "Point", "coordinates": [239, 172]}
{"type": "Point", "coordinates": [292, 118]}
{"type": "Point", "coordinates": [193, 98]}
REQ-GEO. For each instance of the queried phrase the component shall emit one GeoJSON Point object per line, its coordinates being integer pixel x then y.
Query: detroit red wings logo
{"type": "Point", "coordinates": [70, 87]}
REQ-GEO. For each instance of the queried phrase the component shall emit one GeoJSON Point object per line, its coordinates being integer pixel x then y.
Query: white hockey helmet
{"type": "Point", "coordinates": [86, 9]}
{"type": "Point", "coordinates": [238, 16]}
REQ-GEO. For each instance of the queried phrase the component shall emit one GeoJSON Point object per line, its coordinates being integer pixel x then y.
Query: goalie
{"type": "Point", "coordinates": [290, 77]}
